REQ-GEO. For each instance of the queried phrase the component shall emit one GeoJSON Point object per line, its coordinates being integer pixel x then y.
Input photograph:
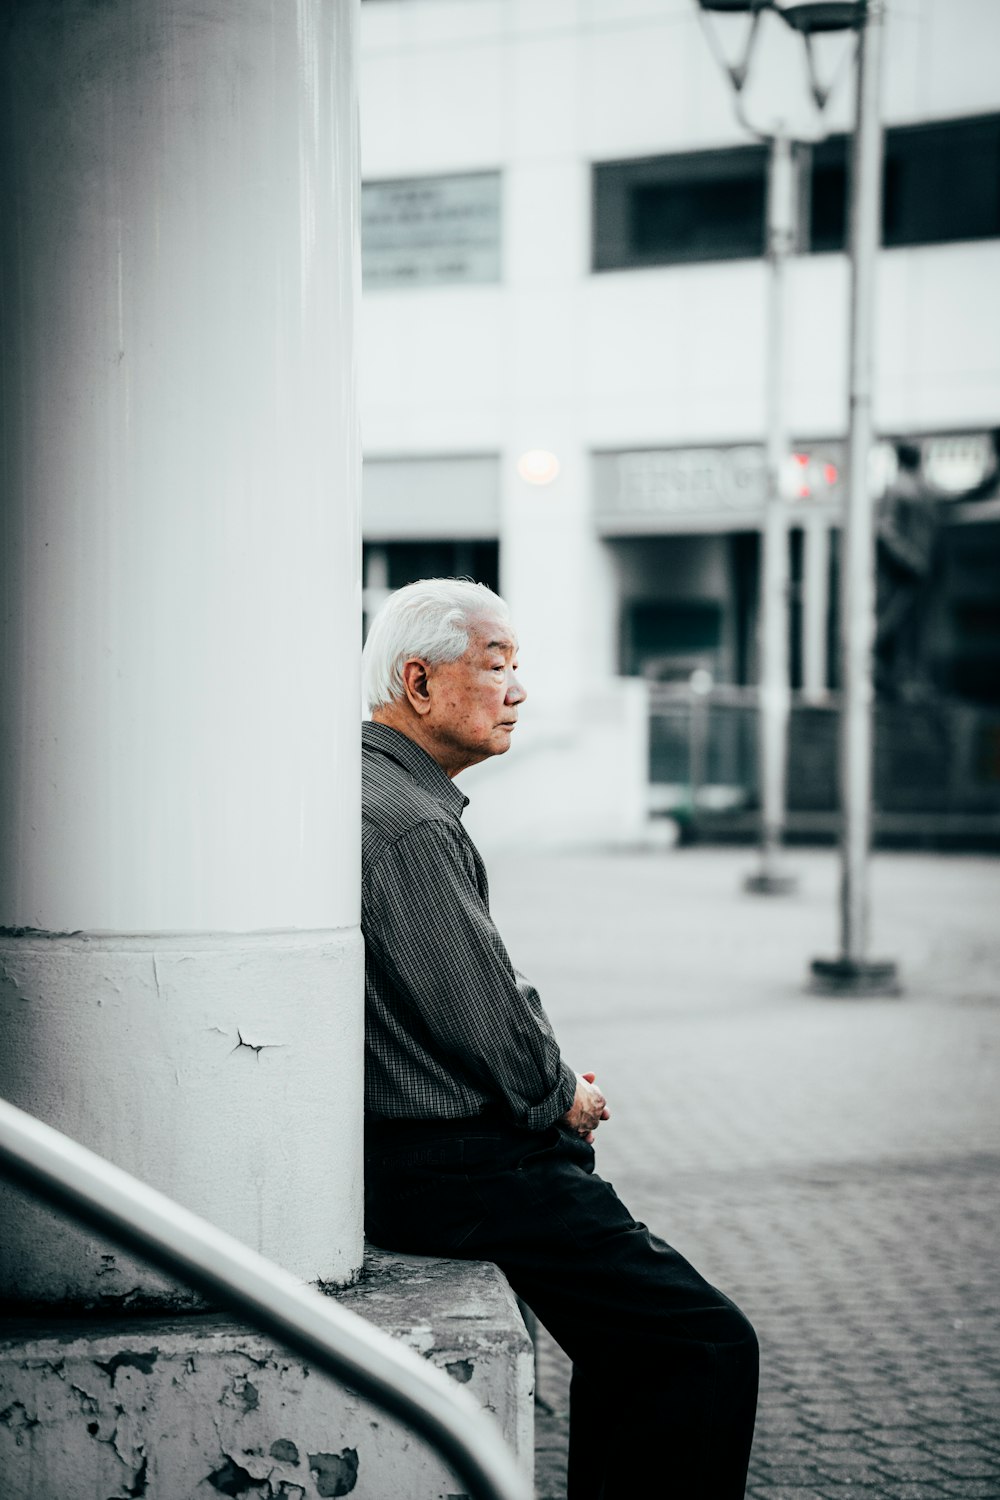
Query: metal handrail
{"type": "Point", "coordinates": [337, 1341]}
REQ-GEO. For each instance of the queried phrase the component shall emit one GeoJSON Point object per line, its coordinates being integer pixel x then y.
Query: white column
{"type": "Point", "coordinates": [815, 607]}
{"type": "Point", "coordinates": [180, 971]}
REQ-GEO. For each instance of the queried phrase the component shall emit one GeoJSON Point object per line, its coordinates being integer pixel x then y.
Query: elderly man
{"type": "Point", "coordinates": [478, 1139]}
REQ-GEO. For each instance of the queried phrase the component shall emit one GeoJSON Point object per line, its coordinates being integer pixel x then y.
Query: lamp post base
{"type": "Point", "coordinates": [770, 883]}
{"type": "Point", "coordinates": [849, 978]}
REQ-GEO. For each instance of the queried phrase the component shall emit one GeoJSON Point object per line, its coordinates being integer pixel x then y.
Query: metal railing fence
{"type": "Point", "coordinates": [941, 757]}
{"type": "Point", "coordinates": [329, 1337]}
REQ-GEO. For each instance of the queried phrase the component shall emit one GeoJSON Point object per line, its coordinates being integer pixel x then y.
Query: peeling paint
{"type": "Point", "coordinates": [334, 1473]}
{"type": "Point", "coordinates": [242, 1394]}
{"type": "Point", "coordinates": [129, 1358]}
{"type": "Point", "coordinates": [232, 1479]}
{"type": "Point", "coordinates": [16, 1418]}
{"type": "Point", "coordinates": [6, 977]}
{"type": "Point", "coordinates": [39, 932]}
{"type": "Point", "coordinates": [422, 1338]}
{"type": "Point", "coordinates": [139, 1484]}
{"type": "Point", "coordinates": [136, 1297]}
{"type": "Point", "coordinates": [209, 1396]}
{"type": "Point", "coordinates": [285, 1451]}
{"type": "Point", "coordinates": [88, 1404]}
{"type": "Point", "coordinates": [123, 1458]}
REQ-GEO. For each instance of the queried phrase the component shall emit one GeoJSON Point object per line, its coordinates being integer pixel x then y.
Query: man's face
{"type": "Point", "coordinates": [474, 700]}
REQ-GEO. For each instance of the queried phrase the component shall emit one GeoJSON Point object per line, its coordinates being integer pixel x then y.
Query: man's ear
{"type": "Point", "coordinates": [415, 685]}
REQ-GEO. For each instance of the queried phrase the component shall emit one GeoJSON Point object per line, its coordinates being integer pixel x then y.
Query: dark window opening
{"type": "Point", "coordinates": [941, 183]}
{"type": "Point", "coordinates": [676, 209]}
{"type": "Point", "coordinates": [387, 566]}
{"type": "Point", "coordinates": [405, 562]}
{"type": "Point", "coordinates": [796, 563]}
{"type": "Point", "coordinates": [827, 228]}
{"type": "Point", "coordinates": [666, 642]}
{"type": "Point", "coordinates": [833, 617]}
{"type": "Point", "coordinates": [745, 572]}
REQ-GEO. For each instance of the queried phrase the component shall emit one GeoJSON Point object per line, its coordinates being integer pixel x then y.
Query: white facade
{"type": "Point", "coordinates": [559, 357]}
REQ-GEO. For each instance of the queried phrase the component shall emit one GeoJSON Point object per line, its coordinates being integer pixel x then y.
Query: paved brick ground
{"type": "Point", "coordinates": [833, 1165]}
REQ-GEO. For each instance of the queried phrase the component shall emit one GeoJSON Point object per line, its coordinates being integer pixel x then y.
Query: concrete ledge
{"type": "Point", "coordinates": [174, 1409]}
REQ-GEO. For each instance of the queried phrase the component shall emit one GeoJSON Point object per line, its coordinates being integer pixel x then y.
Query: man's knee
{"type": "Point", "coordinates": [740, 1328]}
{"type": "Point", "coordinates": [728, 1327]}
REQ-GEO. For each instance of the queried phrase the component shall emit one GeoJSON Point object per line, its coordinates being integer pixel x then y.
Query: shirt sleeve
{"type": "Point", "coordinates": [430, 928]}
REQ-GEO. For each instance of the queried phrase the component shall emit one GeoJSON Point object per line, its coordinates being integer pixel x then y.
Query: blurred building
{"type": "Point", "coordinates": [563, 385]}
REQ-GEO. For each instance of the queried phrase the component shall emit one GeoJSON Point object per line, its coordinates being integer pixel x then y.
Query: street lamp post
{"type": "Point", "coordinates": [775, 699]}
{"type": "Point", "coordinates": [782, 240]}
{"type": "Point", "coordinates": [853, 972]}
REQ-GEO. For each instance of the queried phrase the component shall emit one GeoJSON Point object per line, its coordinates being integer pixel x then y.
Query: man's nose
{"type": "Point", "coordinates": [516, 692]}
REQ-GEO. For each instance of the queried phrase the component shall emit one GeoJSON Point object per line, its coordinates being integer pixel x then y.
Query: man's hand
{"type": "Point", "coordinates": [588, 1109]}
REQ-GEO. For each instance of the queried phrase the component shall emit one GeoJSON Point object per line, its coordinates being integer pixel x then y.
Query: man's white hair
{"type": "Point", "coordinates": [430, 619]}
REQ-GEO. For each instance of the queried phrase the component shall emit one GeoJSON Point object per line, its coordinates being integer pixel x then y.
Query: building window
{"type": "Point", "coordinates": [941, 183]}
{"type": "Point", "coordinates": [823, 180]}
{"type": "Point", "coordinates": [389, 565]}
{"type": "Point", "coordinates": [666, 642]}
{"type": "Point", "coordinates": [668, 210]}
{"type": "Point", "coordinates": [431, 231]}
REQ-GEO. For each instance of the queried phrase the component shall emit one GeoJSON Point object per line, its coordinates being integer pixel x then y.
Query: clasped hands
{"type": "Point", "coordinates": [588, 1109]}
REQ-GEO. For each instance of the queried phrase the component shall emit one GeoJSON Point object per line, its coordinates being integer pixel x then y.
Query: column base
{"type": "Point", "coordinates": [170, 1407]}
{"type": "Point", "coordinates": [203, 1064]}
{"type": "Point", "coordinates": [849, 978]}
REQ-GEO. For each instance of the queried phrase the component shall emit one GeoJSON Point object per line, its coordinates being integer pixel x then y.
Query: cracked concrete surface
{"type": "Point", "coordinates": [169, 1408]}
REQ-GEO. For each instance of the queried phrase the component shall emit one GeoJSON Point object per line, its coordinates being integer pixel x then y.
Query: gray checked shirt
{"type": "Point", "coordinates": [451, 1029]}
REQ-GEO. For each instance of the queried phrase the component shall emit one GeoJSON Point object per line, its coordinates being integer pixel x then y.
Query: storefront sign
{"type": "Point", "coordinates": [649, 490]}
{"type": "Point", "coordinates": [426, 231]}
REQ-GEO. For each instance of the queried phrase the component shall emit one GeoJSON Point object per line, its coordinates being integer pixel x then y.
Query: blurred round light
{"type": "Point", "coordinates": [701, 681]}
{"type": "Point", "coordinates": [538, 466]}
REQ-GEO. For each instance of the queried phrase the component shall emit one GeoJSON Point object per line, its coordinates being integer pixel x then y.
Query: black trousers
{"type": "Point", "coordinates": [664, 1389]}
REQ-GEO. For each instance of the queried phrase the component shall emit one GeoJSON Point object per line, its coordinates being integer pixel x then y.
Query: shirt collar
{"type": "Point", "coordinates": [422, 767]}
